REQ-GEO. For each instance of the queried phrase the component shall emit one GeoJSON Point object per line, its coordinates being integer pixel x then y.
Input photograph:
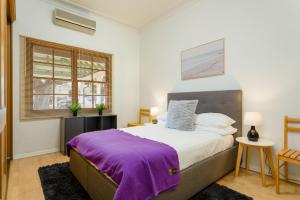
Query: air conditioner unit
{"type": "Point", "coordinates": [69, 20]}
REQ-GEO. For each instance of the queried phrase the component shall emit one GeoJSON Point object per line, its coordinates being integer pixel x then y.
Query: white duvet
{"type": "Point", "coordinates": [191, 146]}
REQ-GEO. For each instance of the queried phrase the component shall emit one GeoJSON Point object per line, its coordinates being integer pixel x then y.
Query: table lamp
{"type": "Point", "coordinates": [154, 113]}
{"type": "Point", "coordinates": [252, 119]}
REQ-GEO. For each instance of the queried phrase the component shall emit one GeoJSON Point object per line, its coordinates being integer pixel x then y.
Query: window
{"type": "Point", "coordinates": [51, 78]}
{"type": "Point", "coordinates": [91, 76]}
{"type": "Point", "coordinates": [57, 75]}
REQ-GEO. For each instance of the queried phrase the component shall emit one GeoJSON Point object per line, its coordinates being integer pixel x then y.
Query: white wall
{"type": "Point", "coordinates": [262, 46]}
{"type": "Point", "coordinates": [34, 19]}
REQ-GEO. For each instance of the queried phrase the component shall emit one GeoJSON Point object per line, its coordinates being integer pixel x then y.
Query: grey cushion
{"type": "Point", "coordinates": [181, 114]}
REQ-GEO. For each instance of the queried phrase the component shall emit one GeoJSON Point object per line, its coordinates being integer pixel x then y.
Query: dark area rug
{"type": "Point", "coordinates": [219, 192]}
{"type": "Point", "coordinates": [58, 183]}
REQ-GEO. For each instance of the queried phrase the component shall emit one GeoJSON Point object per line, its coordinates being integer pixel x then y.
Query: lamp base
{"type": "Point", "coordinates": [253, 134]}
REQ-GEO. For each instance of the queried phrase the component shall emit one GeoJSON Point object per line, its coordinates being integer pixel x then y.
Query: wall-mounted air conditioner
{"type": "Point", "coordinates": [69, 20]}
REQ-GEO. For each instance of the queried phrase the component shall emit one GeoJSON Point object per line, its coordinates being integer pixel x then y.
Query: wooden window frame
{"type": "Point", "coordinates": [28, 112]}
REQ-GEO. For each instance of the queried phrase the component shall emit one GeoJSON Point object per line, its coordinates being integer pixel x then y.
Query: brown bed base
{"type": "Point", "coordinates": [193, 179]}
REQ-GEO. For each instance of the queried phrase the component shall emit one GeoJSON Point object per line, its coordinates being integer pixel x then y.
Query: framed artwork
{"type": "Point", "coordinates": [202, 61]}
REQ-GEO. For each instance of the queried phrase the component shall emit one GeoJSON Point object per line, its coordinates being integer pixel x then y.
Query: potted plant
{"type": "Point", "coordinates": [100, 107]}
{"type": "Point", "coordinates": [74, 107]}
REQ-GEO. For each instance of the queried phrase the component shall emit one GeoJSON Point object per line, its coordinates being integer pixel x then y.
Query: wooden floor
{"type": "Point", "coordinates": [250, 183]}
{"type": "Point", "coordinates": [24, 183]}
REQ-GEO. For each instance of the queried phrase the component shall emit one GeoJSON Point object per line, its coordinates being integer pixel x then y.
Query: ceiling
{"type": "Point", "coordinates": [135, 13]}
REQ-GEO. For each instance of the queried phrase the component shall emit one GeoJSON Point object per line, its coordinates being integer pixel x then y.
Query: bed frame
{"type": "Point", "coordinates": [194, 178]}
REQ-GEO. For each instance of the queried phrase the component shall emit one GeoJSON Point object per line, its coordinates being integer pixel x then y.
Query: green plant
{"type": "Point", "coordinates": [100, 107]}
{"type": "Point", "coordinates": [74, 107]}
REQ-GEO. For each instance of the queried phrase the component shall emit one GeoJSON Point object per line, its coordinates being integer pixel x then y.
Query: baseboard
{"type": "Point", "coordinates": [36, 153]}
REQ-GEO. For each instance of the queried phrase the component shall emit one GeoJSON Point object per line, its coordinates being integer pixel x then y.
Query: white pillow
{"type": "Point", "coordinates": [162, 123]}
{"type": "Point", "coordinates": [214, 120]}
{"type": "Point", "coordinates": [162, 117]}
{"type": "Point", "coordinates": [221, 131]}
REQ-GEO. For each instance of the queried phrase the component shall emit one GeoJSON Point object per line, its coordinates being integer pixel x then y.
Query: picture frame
{"type": "Point", "coordinates": [204, 60]}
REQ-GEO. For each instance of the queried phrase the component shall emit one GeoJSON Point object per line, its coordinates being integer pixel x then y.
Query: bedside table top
{"type": "Point", "coordinates": [262, 142]}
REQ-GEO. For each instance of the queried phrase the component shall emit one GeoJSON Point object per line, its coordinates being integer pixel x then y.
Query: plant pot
{"type": "Point", "coordinates": [100, 112]}
{"type": "Point", "coordinates": [74, 114]}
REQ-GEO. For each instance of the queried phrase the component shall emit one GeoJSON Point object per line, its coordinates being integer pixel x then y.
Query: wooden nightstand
{"type": "Point", "coordinates": [137, 124]}
{"type": "Point", "coordinates": [134, 124]}
{"type": "Point", "coordinates": [261, 145]}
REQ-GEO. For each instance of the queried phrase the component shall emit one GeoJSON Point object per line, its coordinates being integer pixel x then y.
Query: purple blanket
{"type": "Point", "coordinates": [142, 168]}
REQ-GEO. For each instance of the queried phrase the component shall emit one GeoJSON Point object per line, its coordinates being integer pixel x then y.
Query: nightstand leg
{"type": "Point", "coordinates": [270, 158]}
{"type": "Point", "coordinates": [248, 157]}
{"type": "Point", "coordinates": [238, 160]}
{"type": "Point", "coordinates": [262, 164]}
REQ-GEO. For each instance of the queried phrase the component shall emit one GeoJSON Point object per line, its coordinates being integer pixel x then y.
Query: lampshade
{"type": "Point", "coordinates": [154, 111]}
{"type": "Point", "coordinates": [253, 118]}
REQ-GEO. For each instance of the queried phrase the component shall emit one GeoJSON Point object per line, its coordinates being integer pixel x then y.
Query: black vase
{"type": "Point", "coordinates": [253, 134]}
{"type": "Point", "coordinates": [75, 114]}
{"type": "Point", "coordinates": [100, 112]}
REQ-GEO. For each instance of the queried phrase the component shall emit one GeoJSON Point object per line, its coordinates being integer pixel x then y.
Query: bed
{"type": "Point", "coordinates": [195, 175]}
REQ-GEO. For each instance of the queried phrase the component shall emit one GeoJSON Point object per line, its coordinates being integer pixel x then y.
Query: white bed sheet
{"type": "Point", "coordinates": [191, 146]}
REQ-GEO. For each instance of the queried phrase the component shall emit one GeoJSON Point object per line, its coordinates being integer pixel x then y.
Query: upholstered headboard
{"type": "Point", "coordinates": [228, 102]}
